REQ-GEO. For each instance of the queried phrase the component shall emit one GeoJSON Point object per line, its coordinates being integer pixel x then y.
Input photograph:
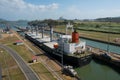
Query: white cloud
{"type": "Point", "coordinates": [106, 13]}
{"type": "Point", "coordinates": [74, 11]}
{"type": "Point", "coordinates": [19, 9]}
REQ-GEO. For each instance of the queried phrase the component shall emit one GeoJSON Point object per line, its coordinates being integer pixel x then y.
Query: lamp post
{"type": "Point", "coordinates": [62, 54]}
{"type": "Point", "coordinates": [108, 39]}
{"type": "Point", "coordinates": [51, 33]}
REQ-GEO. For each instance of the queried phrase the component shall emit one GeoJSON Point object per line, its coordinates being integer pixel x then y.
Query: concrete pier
{"type": "Point", "coordinates": [103, 55]}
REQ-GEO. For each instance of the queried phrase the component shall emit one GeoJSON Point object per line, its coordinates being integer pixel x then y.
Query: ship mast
{"type": "Point", "coordinates": [62, 56]}
{"type": "Point", "coordinates": [69, 26]}
{"type": "Point", "coordinates": [51, 33]}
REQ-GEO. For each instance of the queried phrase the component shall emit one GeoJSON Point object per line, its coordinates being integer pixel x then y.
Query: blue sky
{"type": "Point", "coordinates": [70, 9]}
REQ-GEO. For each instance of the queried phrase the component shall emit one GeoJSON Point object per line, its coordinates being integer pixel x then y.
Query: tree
{"type": "Point", "coordinates": [97, 26]}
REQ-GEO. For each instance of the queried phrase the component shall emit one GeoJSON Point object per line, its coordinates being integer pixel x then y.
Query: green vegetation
{"type": "Point", "coordinates": [108, 19]}
{"type": "Point", "coordinates": [26, 54]}
{"type": "Point", "coordinates": [23, 52]}
{"type": "Point", "coordinates": [8, 40]}
{"type": "Point", "coordinates": [42, 72]}
{"type": "Point", "coordinates": [105, 27]}
{"type": "Point", "coordinates": [92, 34]}
{"type": "Point", "coordinates": [100, 36]}
{"type": "Point", "coordinates": [10, 70]}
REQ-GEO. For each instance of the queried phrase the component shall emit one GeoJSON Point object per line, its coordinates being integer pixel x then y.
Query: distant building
{"type": "Point", "coordinates": [61, 18]}
{"type": "Point", "coordinates": [18, 42]}
{"type": "Point", "coordinates": [34, 59]}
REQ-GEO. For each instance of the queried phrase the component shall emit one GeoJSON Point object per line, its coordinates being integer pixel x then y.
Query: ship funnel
{"type": "Point", "coordinates": [75, 37]}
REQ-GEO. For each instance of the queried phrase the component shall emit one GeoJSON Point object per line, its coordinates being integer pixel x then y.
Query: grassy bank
{"type": "Point", "coordinates": [99, 26]}
{"type": "Point", "coordinates": [91, 34]}
{"type": "Point", "coordinates": [42, 71]}
{"type": "Point", "coordinates": [27, 55]}
{"type": "Point", "coordinates": [10, 69]}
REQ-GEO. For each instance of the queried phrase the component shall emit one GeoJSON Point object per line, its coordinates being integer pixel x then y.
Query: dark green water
{"type": "Point", "coordinates": [97, 71]}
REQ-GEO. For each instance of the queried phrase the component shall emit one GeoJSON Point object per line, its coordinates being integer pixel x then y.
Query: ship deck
{"type": "Point", "coordinates": [50, 44]}
{"type": "Point", "coordinates": [46, 42]}
{"type": "Point", "coordinates": [81, 54]}
{"type": "Point", "coordinates": [43, 39]}
{"type": "Point", "coordinates": [38, 37]}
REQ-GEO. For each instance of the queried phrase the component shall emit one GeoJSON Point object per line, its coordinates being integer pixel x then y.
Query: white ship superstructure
{"type": "Point", "coordinates": [65, 43]}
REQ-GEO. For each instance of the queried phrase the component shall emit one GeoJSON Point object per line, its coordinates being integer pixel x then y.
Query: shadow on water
{"type": "Point", "coordinates": [115, 68]}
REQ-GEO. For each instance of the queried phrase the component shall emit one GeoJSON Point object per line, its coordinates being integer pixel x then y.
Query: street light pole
{"type": "Point", "coordinates": [108, 39]}
{"type": "Point", "coordinates": [62, 55]}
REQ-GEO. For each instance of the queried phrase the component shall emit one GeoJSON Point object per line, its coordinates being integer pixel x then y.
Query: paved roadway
{"type": "Point", "coordinates": [28, 72]}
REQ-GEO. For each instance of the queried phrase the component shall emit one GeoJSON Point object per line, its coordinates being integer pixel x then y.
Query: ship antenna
{"type": "Point", "coordinates": [75, 30]}
{"type": "Point", "coordinates": [69, 26]}
{"type": "Point", "coordinates": [51, 33]}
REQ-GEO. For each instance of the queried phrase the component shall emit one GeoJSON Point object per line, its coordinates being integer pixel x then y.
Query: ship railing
{"type": "Point", "coordinates": [80, 54]}
{"type": "Point", "coordinates": [56, 53]}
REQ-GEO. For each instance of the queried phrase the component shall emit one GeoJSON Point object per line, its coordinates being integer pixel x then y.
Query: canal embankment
{"type": "Point", "coordinates": [103, 41]}
{"type": "Point", "coordinates": [108, 57]}
{"type": "Point", "coordinates": [111, 43]}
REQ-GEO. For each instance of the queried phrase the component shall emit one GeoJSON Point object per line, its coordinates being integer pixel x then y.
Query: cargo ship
{"type": "Point", "coordinates": [67, 49]}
